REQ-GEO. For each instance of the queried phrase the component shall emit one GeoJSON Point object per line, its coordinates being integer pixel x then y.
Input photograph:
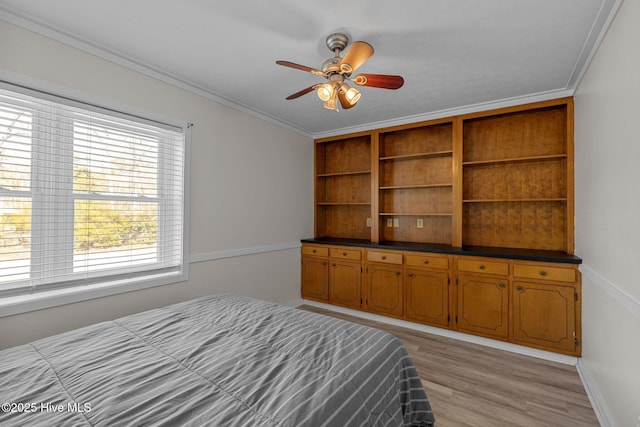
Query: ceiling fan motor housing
{"type": "Point", "coordinates": [337, 41]}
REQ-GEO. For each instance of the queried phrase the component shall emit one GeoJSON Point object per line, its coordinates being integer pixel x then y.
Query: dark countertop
{"type": "Point", "coordinates": [522, 254]}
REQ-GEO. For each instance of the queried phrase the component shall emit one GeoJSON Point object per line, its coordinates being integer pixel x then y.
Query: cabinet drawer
{"type": "Point", "coordinates": [427, 261]}
{"type": "Point", "coordinates": [544, 272]}
{"type": "Point", "coordinates": [386, 257]}
{"type": "Point", "coordinates": [353, 254]}
{"type": "Point", "coordinates": [481, 266]}
{"type": "Point", "coordinates": [315, 250]}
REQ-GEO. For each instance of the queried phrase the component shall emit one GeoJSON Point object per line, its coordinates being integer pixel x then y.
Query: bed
{"type": "Point", "coordinates": [222, 360]}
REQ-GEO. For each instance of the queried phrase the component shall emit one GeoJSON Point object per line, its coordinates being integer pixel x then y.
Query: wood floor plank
{"type": "Point", "coordinates": [471, 385]}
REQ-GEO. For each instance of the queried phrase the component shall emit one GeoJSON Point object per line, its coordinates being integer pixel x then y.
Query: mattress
{"type": "Point", "coordinates": [222, 360]}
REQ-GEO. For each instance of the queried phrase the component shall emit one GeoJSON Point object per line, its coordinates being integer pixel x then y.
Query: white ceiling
{"type": "Point", "coordinates": [454, 55]}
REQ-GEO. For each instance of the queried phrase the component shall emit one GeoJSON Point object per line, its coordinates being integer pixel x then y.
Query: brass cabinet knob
{"type": "Point", "coordinates": [543, 273]}
{"type": "Point", "coordinates": [482, 267]}
{"type": "Point", "coordinates": [410, 274]}
{"type": "Point", "coordinates": [519, 288]}
{"type": "Point", "coordinates": [397, 273]}
{"type": "Point", "coordinates": [501, 285]}
{"type": "Point", "coordinates": [425, 261]}
{"type": "Point", "coordinates": [384, 257]}
{"type": "Point", "coordinates": [344, 254]}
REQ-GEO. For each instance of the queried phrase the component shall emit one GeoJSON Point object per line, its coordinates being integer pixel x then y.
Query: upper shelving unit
{"type": "Point", "coordinates": [343, 187]}
{"type": "Point", "coordinates": [415, 183]}
{"type": "Point", "coordinates": [500, 178]}
{"type": "Point", "coordinates": [515, 178]}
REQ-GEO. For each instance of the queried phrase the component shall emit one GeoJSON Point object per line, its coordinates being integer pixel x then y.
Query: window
{"type": "Point", "coordinates": [87, 196]}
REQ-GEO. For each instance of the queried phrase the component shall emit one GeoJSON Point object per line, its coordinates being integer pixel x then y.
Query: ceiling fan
{"type": "Point", "coordinates": [337, 71]}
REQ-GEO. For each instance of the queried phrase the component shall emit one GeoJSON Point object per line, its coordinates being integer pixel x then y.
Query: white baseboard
{"type": "Point", "coordinates": [500, 345]}
{"type": "Point", "coordinates": [595, 397]}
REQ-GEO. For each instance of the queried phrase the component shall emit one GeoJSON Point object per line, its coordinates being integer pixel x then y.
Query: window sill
{"type": "Point", "coordinates": [10, 306]}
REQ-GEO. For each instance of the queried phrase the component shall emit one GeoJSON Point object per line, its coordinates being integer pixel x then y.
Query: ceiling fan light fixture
{"type": "Point", "coordinates": [326, 92]}
{"type": "Point", "coordinates": [352, 94]}
{"type": "Point", "coordinates": [331, 104]}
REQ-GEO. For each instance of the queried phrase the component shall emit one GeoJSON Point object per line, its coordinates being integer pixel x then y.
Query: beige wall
{"type": "Point", "coordinates": [607, 106]}
{"type": "Point", "coordinates": [251, 185]}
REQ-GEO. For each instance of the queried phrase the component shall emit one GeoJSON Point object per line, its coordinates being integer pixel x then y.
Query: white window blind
{"type": "Point", "coordinates": [86, 195]}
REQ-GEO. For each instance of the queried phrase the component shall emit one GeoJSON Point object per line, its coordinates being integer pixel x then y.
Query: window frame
{"type": "Point", "coordinates": [72, 291]}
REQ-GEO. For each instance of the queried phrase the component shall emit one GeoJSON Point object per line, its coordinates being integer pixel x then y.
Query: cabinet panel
{"type": "Point", "coordinates": [315, 278]}
{"type": "Point", "coordinates": [343, 221]}
{"type": "Point", "coordinates": [436, 229]}
{"type": "Point", "coordinates": [427, 297]}
{"type": "Point", "coordinates": [512, 224]}
{"type": "Point", "coordinates": [541, 179]}
{"type": "Point", "coordinates": [544, 316]}
{"type": "Point", "coordinates": [416, 201]}
{"type": "Point", "coordinates": [385, 290]}
{"type": "Point", "coordinates": [416, 171]}
{"type": "Point", "coordinates": [346, 155]}
{"type": "Point", "coordinates": [483, 306]}
{"type": "Point", "coordinates": [423, 139]}
{"type": "Point", "coordinates": [345, 282]}
{"type": "Point", "coordinates": [528, 133]}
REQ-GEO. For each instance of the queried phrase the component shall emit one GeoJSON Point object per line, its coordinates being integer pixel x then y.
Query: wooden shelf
{"type": "Point", "coordinates": [516, 160]}
{"type": "Point", "coordinates": [418, 155]}
{"type": "Point", "coordinates": [514, 200]}
{"type": "Point", "coordinates": [326, 175]}
{"type": "Point", "coordinates": [403, 187]}
{"type": "Point", "coordinates": [343, 204]}
{"type": "Point", "coordinates": [415, 214]}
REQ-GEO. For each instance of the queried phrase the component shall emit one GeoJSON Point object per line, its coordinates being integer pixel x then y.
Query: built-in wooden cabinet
{"type": "Point", "coordinates": [315, 278]}
{"type": "Point", "coordinates": [315, 273]}
{"type": "Point", "coordinates": [426, 296]}
{"type": "Point", "coordinates": [532, 303]}
{"type": "Point", "coordinates": [384, 283]}
{"type": "Point", "coordinates": [483, 296]}
{"type": "Point", "coordinates": [461, 222]}
{"type": "Point", "coordinates": [544, 306]}
{"type": "Point", "coordinates": [345, 283]}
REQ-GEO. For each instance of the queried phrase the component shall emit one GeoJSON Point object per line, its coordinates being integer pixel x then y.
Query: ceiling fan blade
{"type": "Point", "coordinates": [357, 54]}
{"type": "Point", "coordinates": [300, 67]}
{"type": "Point", "coordinates": [344, 101]}
{"type": "Point", "coordinates": [300, 93]}
{"type": "Point", "coordinates": [383, 81]}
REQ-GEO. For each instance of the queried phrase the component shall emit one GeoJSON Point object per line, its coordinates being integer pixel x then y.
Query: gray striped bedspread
{"type": "Point", "coordinates": [222, 360]}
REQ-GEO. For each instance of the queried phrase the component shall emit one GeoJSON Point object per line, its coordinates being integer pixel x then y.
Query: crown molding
{"type": "Point", "coordinates": [100, 51]}
{"type": "Point", "coordinates": [605, 17]}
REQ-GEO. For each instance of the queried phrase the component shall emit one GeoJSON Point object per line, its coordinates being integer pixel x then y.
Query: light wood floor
{"type": "Point", "coordinates": [472, 385]}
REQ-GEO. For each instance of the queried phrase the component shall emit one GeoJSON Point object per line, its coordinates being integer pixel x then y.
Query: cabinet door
{"type": "Point", "coordinates": [483, 306]}
{"type": "Point", "coordinates": [427, 297]}
{"type": "Point", "coordinates": [384, 290]}
{"type": "Point", "coordinates": [315, 278]}
{"type": "Point", "coordinates": [345, 281]}
{"type": "Point", "coordinates": [544, 315]}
